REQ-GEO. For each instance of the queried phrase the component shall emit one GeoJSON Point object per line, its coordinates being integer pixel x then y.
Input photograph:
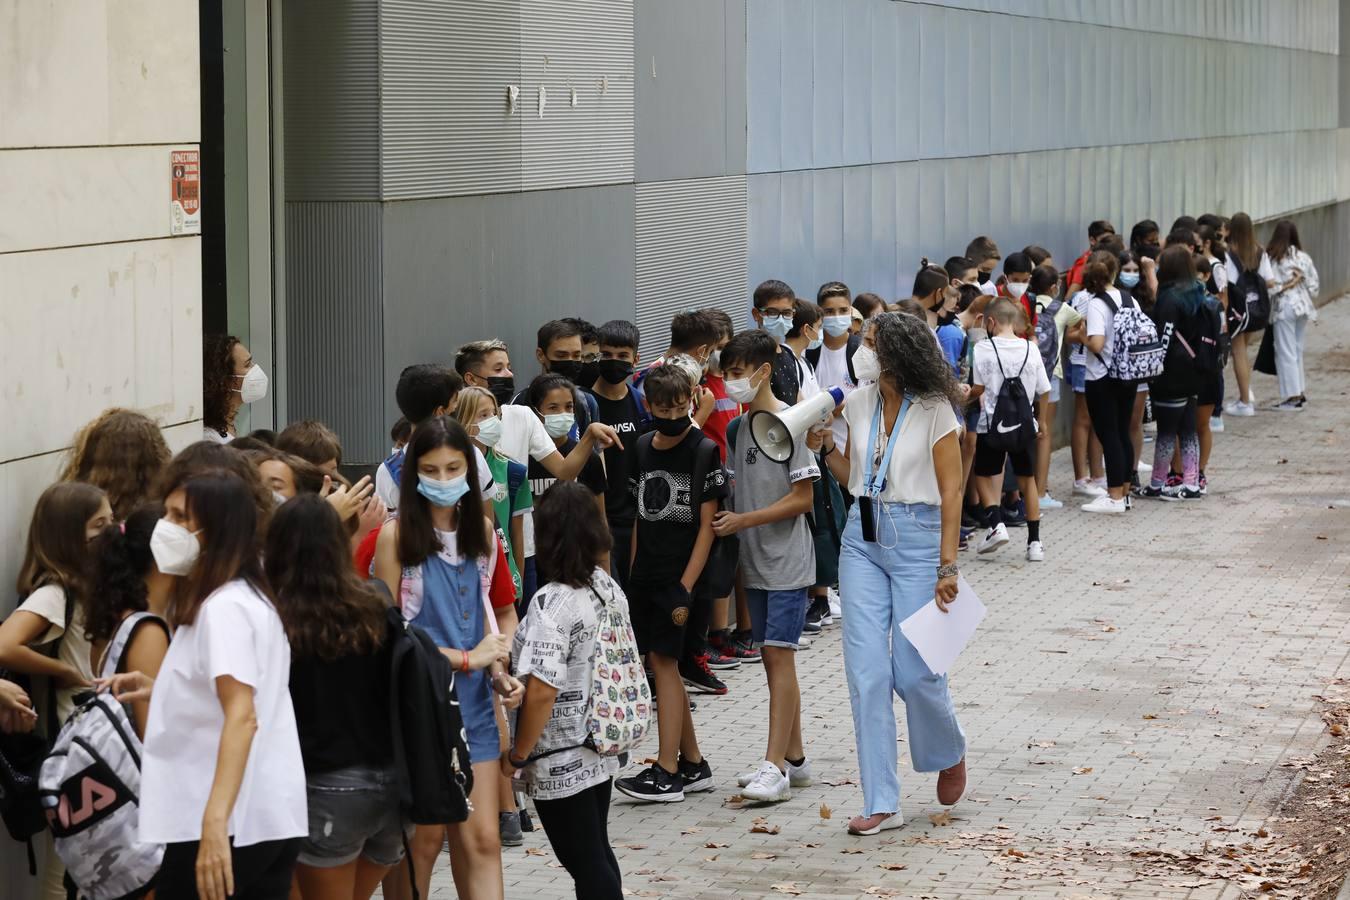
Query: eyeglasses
{"type": "Point", "coordinates": [590, 357]}
{"type": "Point", "coordinates": [771, 314]}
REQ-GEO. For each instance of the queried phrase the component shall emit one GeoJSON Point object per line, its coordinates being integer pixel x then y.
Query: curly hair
{"type": "Point", "coordinates": [120, 559]}
{"type": "Point", "coordinates": [121, 452]}
{"type": "Point", "coordinates": [217, 380]}
{"type": "Point", "coordinates": [911, 358]}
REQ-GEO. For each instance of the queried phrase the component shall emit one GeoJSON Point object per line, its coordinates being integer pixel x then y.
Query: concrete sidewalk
{"type": "Point", "coordinates": [1139, 689]}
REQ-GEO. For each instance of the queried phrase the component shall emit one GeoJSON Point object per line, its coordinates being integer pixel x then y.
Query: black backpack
{"type": "Point", "coordinates": [1012, 425]}
{"type": "Point", "coordinates": [1210, 354]}
{"type": "Point", "coordinates": [854, 342]}
{"type": "Point", "coordinates": [431, 753]}
{"type": "Point", "coordinates": [1248, 300]}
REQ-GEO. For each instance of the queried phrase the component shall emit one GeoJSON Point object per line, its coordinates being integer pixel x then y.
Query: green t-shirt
{"type": "Point", "coordinates": [511, 498]}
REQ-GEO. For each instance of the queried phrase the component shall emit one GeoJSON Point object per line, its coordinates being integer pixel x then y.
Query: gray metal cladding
{"type": "Point", "coordinates": [577, 88]}
{"type": "Point", "coordinates": [332, 99]}
{"type": "Point", "coordinates": [446, 127]}
{"type": "Point", "coordinates": [690, 253]}
{"type": "Point", "coordinates": [334, 322]}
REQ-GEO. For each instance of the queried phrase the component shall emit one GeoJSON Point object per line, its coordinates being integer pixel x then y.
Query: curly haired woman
{"type": "Point", "coordinates": [122, 452]}
{"type": "Point", "coordinates": [230, 378]}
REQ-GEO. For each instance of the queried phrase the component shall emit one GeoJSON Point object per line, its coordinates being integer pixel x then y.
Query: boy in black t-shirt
{"type": "Point", "coordinates": [677, 478]}
{"type": "Point", "coordinates": [622, 409]}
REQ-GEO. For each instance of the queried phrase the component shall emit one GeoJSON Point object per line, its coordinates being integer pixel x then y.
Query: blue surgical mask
{"type": "Point", "coordinates": [837, 325]}
{"type": "Point", "coordinates": [559, 424]}
{"type": "Point", "coordinates": [778, 328]}
{"type": "Point", "coordinates": [1129, 279]}
{"type": "Point", "coordinates": [815, 344]}
{"type": "Point", "coordinates": [443, 493]}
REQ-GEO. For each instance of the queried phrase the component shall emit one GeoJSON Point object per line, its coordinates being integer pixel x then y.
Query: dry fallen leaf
{"type": "Point", "coordinates": [940, 818]}
{"type": "Point", "coordinates": [714, 845]}
{"type": "Point", "coordinates": [1149, 716]}
{"type": "Point", "coordinates": [692, 829]}
{"type": "Point", "coordinates": [825, 811]}
{"type": "Point", "coordinates": [787, 887]}
{"type": "Point", "coordinates": [893, 867]}
{"type": "Point", "coordinates": [761, 826]}
{"type": "Point", "coordinates": [632, 846]}
{"type": "Point", "coordinates": [1336, 728]}
{"type": "Point", "coordinates": [808, 846]}
{"type": "Point", "coordinates": [1083, 770]}
{"type": "Point", "coordinates": [536, 851]}
{"type": "Point", "coordinates": [853, 851]}
{"type": "Point", "coordinates": [763, 854]}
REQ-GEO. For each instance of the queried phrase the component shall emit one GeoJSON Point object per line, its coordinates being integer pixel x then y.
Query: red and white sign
{"type": "Point", "coordinates": [185, 192]}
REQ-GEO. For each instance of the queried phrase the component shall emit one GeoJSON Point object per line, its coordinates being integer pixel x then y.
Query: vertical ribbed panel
{"type": "Point", "coordinates": [335, 323]}
{"type": "Point", "coordinates": [583, 48]}
{"type": "Point", "coordinates": [446, 126]}
{"type": "Point", "coordinates": [330, 56]}
{"type": "Point", "coordinates": [691, 252]}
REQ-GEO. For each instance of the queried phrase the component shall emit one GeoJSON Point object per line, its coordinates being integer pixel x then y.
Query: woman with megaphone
{"type": "Point", "coordinates": [902, 463]}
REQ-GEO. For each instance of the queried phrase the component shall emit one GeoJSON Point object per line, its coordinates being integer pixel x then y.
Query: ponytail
{"type": "Point", "coordinates": [120, 560]}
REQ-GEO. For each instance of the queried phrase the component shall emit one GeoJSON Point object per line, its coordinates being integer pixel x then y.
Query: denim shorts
{"type": "Point", "coordinates": [1054, 388]}
{"type": "Point", "coordinates": [353, 812]}
{"type": "Point", "coordinates": [776, 617]}
{"type": "Point", "coordinates": [1076, 373]}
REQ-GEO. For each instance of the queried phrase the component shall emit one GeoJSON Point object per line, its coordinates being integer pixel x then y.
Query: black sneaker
{"type": "Point", "coordinates": [653, 785]}
{"type": "Point", "coordinates": [508, 825]}
{"type": "Point", "coordinates": [1015, 516]}
{"type": "Point", "coordinates": [1190, 493]}
{"type": "Point", "coordinates": [526, 823]}
{"type": "Point", "coordinates": [819, 612]}
{"type": "Point", "coordinates": [743, 645]}
{"type": "Point", "coordinates": [651, 686]}
{"type": "Point", "coordinates": [697, 777]}
{"type": "Point", "coordinates": [717, 662]}
{"type": "Point", "coordinates": [698, 676]}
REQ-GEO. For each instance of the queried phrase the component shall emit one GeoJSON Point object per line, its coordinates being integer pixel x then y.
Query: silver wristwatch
{"type": "Point", "coordinates": [950, 570]}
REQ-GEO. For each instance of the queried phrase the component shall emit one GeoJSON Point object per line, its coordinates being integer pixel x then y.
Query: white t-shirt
{"type": "Point", "coordinates": [1264, 269]}
{"type": "Point", "coordinates": [808, 387]}
{"type": "Point", "coordinates": [1101, 319]}
{"type": "Point", "coordinates": [523, 435]}
{"type": "Point", "coordinates": [832, 371]}
{"type": "Point", "coordinates": [49, 602]}
{"type": "Point", "coordinates": [387, 489]}
{"type": "Point", "coordinates": [210, 434]}
{"type": "Point", "coordinates": [236, 633]}
{"type": "Point", "coordinates": [1219, 270]}
{"type": "Point", "coordinates": [1011, 352]}
{"type": "Point", "coordinates": [911, 477]}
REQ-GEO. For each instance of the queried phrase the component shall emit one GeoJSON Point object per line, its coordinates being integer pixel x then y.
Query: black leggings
{"type": "Point", "coordinates": [1110, 405]}
{"type": "Point", "coordinates": [261, 871]}
{"type": "Point", "coordinates": [578, 828]}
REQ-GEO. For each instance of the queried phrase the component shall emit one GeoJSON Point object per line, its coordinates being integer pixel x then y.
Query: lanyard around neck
{"type": "Point", "coordinates": [875, 480]}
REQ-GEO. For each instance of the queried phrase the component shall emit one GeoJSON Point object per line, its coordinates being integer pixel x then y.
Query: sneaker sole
{"type": "Point", "coordinates": [725, 666]}
{"type": "Point", "coordinates": [700, 787]}
{"type": "Point", "coordinates": [517, 841]}
{"type": "Point", "coordinates": [887, 824]}
{"type": "Point", "coordinates": [1109, 512]}
{"type": "Point", "coordinates": [650, 798]}
{"type": "Point", "coordinates": [991, 547]}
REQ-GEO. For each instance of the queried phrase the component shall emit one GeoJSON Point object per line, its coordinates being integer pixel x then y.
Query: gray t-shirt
{"type": "Point", "coordinates": [555, 643]}
{"type": "Point", "coordinates": [779, 556]}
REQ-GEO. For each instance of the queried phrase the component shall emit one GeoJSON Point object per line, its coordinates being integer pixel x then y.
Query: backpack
{"type": "Point", "coordinates": [1136, 350]}
{"type": "Point", "coordinates": [431, 752]}
{"type": "Point", "coordinates": [1209, 348]}
{"type": "Point", "coordinates": [850, 348]}
{"type": "Point", "coordinates": [1248, 300]}
{"type": "Point", "coordinates": [90, 789]}
{"type": "Point", "coordinates": [1012, 424]}
{"type": "Point", "coordinates": [1047, 332]}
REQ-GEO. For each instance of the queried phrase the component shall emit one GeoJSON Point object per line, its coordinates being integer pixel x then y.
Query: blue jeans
{"type": "Point", "coordinates": [881, 584]}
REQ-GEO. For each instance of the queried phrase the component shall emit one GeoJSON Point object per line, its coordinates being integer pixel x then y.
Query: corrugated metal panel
{"type": "Point", "coordinates": [330, 56]}
{"type": "Point", "coordinates": [691, 251]}
{"type": "Point", "coordinates": [335, 321]}
{"type": "Point", "coordinates": [445, 126]}
{"type": "Point", "coordinates": [577, 84]}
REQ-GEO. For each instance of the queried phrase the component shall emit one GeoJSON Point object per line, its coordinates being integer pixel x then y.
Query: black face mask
{"type": "Point", "coordinates": [1150, 250]}
{"type": "Point", "coordinates": [983, 277]}
{"type": "Point", "coordinates": [567, 368]}
{"type": "Point", "coordinates": [671, 427]}
{"type": "Point", "coordinates": [946, 318]}
{"type": "Point", "coordinates": [615, 371]}
{"type": "Point", "coordinates": [588, 374]}
{"type": "Point", "coordinates": [503, 388]}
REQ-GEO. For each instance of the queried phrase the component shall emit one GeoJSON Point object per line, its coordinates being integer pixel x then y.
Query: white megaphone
{"type": "Point", "coordinates": [775, 433]}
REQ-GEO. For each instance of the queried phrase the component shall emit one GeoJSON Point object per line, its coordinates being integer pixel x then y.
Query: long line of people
{"type": "Point", "coordinates": [233, 599]}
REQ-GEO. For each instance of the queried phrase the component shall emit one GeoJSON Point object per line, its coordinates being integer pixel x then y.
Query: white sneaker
{"type": "Point", "coordinates": [1145, 467]}
{"type": "Point", "coordinates": [768, 786]}
{"type": "Point", "coordinates": [1086, 488]}
{"type": "Point", "coordinates": [836, 607]}
{"type": "Point", "coordinates": [993, 539]}
{"type": "Point", "coordinates": [798, 776]}
{"type": "Point", "coordinates": [1048, 502]}
{"type": "Point", "coordinates": [1238, 408]}
{"type": "Point", "coordinates": [1035, 552]}
{"type": "Point", "coordinates": [1100, 483]}
{"type": "Point", "coordinates": [1104, 504]}
{"type": "Point", "coordinates": [1216, 424]}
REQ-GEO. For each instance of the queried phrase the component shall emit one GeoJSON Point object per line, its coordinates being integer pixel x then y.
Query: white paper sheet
{"type": "Point", "coordinates": [940, 637]}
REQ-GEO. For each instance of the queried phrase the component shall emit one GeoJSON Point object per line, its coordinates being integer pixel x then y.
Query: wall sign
{"type": "Point", "coordinates": [185, 192]}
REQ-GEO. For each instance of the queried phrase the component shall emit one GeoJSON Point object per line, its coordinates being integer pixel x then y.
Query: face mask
{"type": "Point", "coordinates": [254, 386]}
{"type": "Point", "coordinates": [1129, 279]}
{"type": "Point", "coordinates": [837, 325]}
{"type": "Point", "coordinates": [815, 343]}
{"type": "Point", "coordinates": [567, 368]}
{"type": "Point", "coordinates": [174, 547]}
{"type": "Point", "coordinates": [742, 390]}
{"type": "Point", "coordinates": [946, 318]}
{"type": "Point", "coordinates": [691, 367]}
{"type": "Point", "coordinates": [1016, 290]}
{"type": "Point", "coordinates": [670, 427]}
{"type": "Point", "coordinates": [589, 373]}
{"type": "Point", "coordinates": [866, 365]}
{"type": "Point", "coordinates": [983, 278]}
{"type": "Point", "coordinates": [559, 424]}
{"type": "Point", "coordinates": [489, 431]}
{"type": "Point", "coordinates": [714, 360]}
{"type": "Point", "coordinates": [778, 328]}
{"type": "Point", "coordinates": [1150, 250]}
{"type": "Point", "coordinates": [279, 498]}
{"type": "Point", "coordinates": [615, 371]}
{"type": "Point", "coordinates": [443, 493]}
{"type": "Point", "coordinates": [503, 387]}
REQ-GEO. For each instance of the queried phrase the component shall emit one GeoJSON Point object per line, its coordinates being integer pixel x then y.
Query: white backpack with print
{"type": "Point", "coordinates": [619, 712]}
{"type": "Point", "coordinates": [90, 788]}
{"type": "Point", "coordinates": [1136, 350]}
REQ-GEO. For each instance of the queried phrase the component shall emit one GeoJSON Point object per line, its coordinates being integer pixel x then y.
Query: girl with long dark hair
{"type": "Point", "coordinates": [1295, 300]}
{"type": "Point", "coordinates": [1244, 255]}
{"type": "Point", "coordinates": [903, 463]}
{"type": "Point", "coordinates": [1181, 299]}
{"type": "Point", "coordinates": [1110, 401]}
{"type": "Point", "coordinates": [442, 561]}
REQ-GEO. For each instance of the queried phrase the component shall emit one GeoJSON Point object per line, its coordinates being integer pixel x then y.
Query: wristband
{"type": "Point", "coordinates": [515, 761]}
{"type": "Point", "coordinates": [950, 570]}
{"type": "Point", "coordinates": [464, 661]}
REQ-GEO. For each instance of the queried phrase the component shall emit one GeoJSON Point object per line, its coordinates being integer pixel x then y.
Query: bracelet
{"type": "Point", "coordinates": [516, 762]}
{"type": "Point", "coordinates": [833, 447]}
{"type": "Point", "coordinates": [464, 661]}
{"type": "Point", "coordinates": [950, 570]}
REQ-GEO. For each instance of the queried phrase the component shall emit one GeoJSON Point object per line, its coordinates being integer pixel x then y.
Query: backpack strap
{"type": "Point", "coordinates": [114, 655]}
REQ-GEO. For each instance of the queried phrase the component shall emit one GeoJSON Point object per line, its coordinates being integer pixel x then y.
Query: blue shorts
{"type": "Point", "coordinates": [1076, 373]}
{"type": "Point", "coordinates": [1054, 388]}
{"type": "Point", "coordinates": [776, 617]}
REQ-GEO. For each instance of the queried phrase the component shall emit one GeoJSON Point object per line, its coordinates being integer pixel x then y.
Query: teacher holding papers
{"type": "Point", "coordinates": [902, 464]}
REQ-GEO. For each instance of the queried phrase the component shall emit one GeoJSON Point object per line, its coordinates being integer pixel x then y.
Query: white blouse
{"type": "Point", "coordinates": [911, 477]}
{"type": "Point", "coordinates": [1301, 299]}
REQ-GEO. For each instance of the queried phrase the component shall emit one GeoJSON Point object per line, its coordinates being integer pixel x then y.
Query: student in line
{"type": "Point", "coordinates": [561, 349]}
{"type": "Point", "coordinates": [1110, 401]}
{"type": "Point", "coordinates": [868, 305]}
{"type": "Point", "coordinates": [230, 380]}
{"type": "Point", "coordinates": [1004, 355]}
{"type": "Point", "coordinates": [554, 655]}
{"type": "Point", "coordinates": [552, 397]}
{"type": "Point", "coordinates": [1244, 255]}
{"type": "Point", "coordinates": [1209, 409]}
{"type": "Point", "coordinates": [1017, 269]}
{"type": "Point", "coordinates": [1089, 473]}
{"type": "Point", "coordinates": [1177, 314]}
{"type": "Point", "coordinates": [313, 442]}
{"type": "Point", "coordinates": [1044, 290]}
{"type": "Point", "coordinates": [122, 452]}
{"type": "Point", "coordinates": [438, 558]}
{"type": "Point", "coordinates": [339, 684]}
{"type": "Point", "coordinates": [902, 460]}
{"type": "Point", "coordinates": [678, 481]}
{"type": "Point", "coordinates": [778, 564]}
{"type": "Point", "coordinates": [1097, 230]}
{"type": "Point", "coordinates": [1136, 278]}
{"type": "Point", "coordinates": [1295, 301]}
{"type": "Point", "coordinates": [775, 306]}
{"type": "Point", "coordinates": [806, 334]}
{"type": "Point", "coordinates": [477, 410]}
{"type": "Point", "coordinates": [984, 253]}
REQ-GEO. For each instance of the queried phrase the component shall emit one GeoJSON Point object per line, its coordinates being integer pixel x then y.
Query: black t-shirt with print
{"type": "Point", "coordinates": [624, 417]}
{"type": "Point", "coordinates": [784, 381]}
{"type": "Point", "coordinates": [592, 475]}
{"type": "Point", "coordinates": [667, 525]}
